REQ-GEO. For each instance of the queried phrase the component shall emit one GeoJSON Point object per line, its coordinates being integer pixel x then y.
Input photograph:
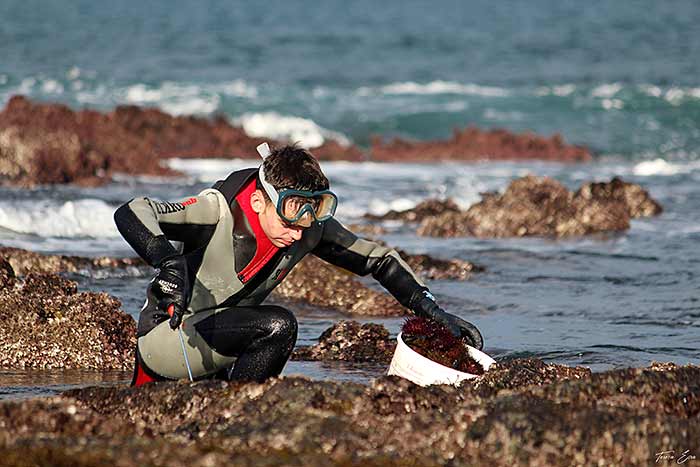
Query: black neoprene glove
{"type": "Point", "coordinates": [171, 287]}
{"type": "Point", "coordinates": [426, 307]}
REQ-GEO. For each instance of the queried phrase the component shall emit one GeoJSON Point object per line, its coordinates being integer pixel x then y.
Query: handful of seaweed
{"type": "Point", "coordinates": [434, 341]}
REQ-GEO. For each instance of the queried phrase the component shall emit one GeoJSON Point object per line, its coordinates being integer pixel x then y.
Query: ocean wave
{"type": "Point", "coordinates": [435, 87]}
{"type": "Point", "coordinates": [174, 98]}
{"type": "Point", "coordinates": [663, 167]}
{"type": "Point", "coordinates": [296, 129]}
{"type": "Point", "coordinates": [82, 218]}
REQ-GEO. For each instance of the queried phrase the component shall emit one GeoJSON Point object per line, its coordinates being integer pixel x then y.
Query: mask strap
{"type": "Point", "coordinates": [264, 151]}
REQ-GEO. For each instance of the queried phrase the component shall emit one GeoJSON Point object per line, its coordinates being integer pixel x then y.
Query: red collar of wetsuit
{"type": "Point", "coordinates": [264, 250]}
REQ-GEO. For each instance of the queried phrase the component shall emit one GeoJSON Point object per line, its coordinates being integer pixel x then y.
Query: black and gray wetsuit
{"type": "Point", "coordinates": [225, 322]}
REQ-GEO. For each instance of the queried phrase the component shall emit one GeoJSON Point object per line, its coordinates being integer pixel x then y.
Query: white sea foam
{"type": "Point", "coordinates": [606, 90]}
{"type": "Point", "coordinates": [291, 128]}
{"type": "Point", "coordinates": [380, 207]}
{"type": "Point", "coordinates": [73, 73]}
{"type": "Point", "coordinates": [51, 86]}
{"type": "Point", "coordinates": [174, 98]}
{"type": "Point", "coordinates": [237, 88]}
{"type": "Point", "coordinates": [663, 167]}
{"type": "Point", "coordinates": [562, 90]}
{"type": "Point", "coordinates": [610, 104]}
{"type": "Point", "coordinates": [47, 218]}
{"type": "Point", "coordinates": [26, 86]}
{"type": "Point", "coordinates": [435, 87]}
{"type": "Point", "coordinates": [501, 116]}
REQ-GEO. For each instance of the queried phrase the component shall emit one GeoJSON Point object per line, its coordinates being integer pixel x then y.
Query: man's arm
{"type": "Point", "coordinates": [148, 225]}
{"type": "Point", "coordinates": [341, 247]}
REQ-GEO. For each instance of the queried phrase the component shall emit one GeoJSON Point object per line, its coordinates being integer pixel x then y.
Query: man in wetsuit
{"type": "Point", "coordinates": [238, 240]}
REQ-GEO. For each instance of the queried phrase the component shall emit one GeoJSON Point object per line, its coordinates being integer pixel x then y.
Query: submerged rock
{"type": "Point", "coordinates": [46, 323]}
{"type": "Point", "coordinates": [620, 417]}
{"type": "Point", "coordinates": [475, 144]}
{"type": "Point", "coordinates": [541, 206]}
{"type": "Point", "coordinates": [350, 341]}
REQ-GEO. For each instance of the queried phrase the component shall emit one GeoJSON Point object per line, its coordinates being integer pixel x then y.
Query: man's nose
{"type": "Point", "coordinates": [296, 234]}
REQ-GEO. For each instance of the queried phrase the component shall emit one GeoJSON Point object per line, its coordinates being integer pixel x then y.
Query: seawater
{"type": "Point", "coordinates": [604, 301]}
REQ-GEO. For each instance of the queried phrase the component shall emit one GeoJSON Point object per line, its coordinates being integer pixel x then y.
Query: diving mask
{"type": "Point", "coordinates": [298, 207]}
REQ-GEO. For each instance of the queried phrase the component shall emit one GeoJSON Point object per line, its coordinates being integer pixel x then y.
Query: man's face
{"type": "Point", "coordinates": [280, 233]}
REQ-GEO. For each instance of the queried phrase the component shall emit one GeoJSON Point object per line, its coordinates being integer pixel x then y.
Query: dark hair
{"type": "Point", "coordinates": [294, 168]}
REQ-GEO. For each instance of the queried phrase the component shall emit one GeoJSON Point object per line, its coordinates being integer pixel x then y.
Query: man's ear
{"type": "Point", "coordinates": [257, 201]}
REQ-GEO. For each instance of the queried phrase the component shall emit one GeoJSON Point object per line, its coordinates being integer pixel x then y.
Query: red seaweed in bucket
{"type": "Point", "coordinates": [434, 341]}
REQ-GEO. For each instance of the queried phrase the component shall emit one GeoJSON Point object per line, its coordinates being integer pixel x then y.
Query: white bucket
{"type": "Point", "coordinates": [411, 365]}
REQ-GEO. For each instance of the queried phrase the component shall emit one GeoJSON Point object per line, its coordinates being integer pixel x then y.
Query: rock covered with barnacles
{"type": "Point", "coordinates": [555, 416]}
{"type": "Point", "coordinates": [352, 342]}
{"type": "Point", "coordinates": [47, 323]}
{"type": "Point", "coordinates": [541, 206]}
{"type": "Point", "coordinates": [24, 261]}
{"type": "Point", "coordinates": [318, 283]}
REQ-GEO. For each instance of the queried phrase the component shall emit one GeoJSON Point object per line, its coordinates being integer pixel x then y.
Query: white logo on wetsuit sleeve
{"type": "Point", "coordinates": [166, 286]}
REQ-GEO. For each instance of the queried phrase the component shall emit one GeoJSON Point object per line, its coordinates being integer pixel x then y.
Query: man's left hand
{"type": "Point", "coordinates": [428, 308]}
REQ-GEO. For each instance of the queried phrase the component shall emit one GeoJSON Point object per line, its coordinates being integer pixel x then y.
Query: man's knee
{"type": "Point", "coordinates": [283, 323]}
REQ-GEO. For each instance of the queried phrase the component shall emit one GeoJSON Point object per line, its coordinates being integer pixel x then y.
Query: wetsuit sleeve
{"type": "Point", "coordinates": [343, 248]}
{"type": "Point", "coordinates": [149, 225]}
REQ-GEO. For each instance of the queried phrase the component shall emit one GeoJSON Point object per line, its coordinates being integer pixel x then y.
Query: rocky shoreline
{"type": "Point", "coordinates": [523, 412]}
{"type": "Point", "coordinates": [44, 143]}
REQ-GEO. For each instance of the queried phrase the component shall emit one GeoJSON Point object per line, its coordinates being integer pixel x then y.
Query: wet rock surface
{"type": "Point", "coordinates": [432, 268]}
{"type": "Point", "coordinates": [475, 144]}
{"type": "Point", "coordinates": [24, 261]}
{"type": "Point", "coordinates": [50, 143]}
{"type": "Point", "coordinates": [558, 416]}
{"type": "Point", "coordinates": [541, 206]}
{"type": "Point", "coordinates": [350, 341]}
{"type": "Point", "coordinates": [47, 323]}
{"type": "Point", "coordinates": [318, 283]}
{"type": "Point", "coordinates": [423, 210]}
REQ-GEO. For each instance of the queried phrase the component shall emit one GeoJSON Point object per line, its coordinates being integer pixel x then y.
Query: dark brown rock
{"type": "Point", "coordinates": [534, 206]}
{"type": "Point", "coordinates": [7, 274]}
{"type": "Point", "coordinates": [620, 417]}
{"type": "Point", "coordinates": [46, 323]}
{"type": "Point", "coordinates": [351, 341]}
{"type": "Point", "coordinates": [49, 143]}
{"type": "Point", "coordinates": [424, 209]}
{"type": "Point", "coordinates": [431, 268]}
{"type": "Point", "coordinates": [318, 283]}
{"type": "Point", "coordinates": [474, 144]}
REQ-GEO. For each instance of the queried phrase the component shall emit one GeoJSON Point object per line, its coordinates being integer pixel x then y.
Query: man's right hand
{"type": "Point", "coordinates": [171, 287]}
